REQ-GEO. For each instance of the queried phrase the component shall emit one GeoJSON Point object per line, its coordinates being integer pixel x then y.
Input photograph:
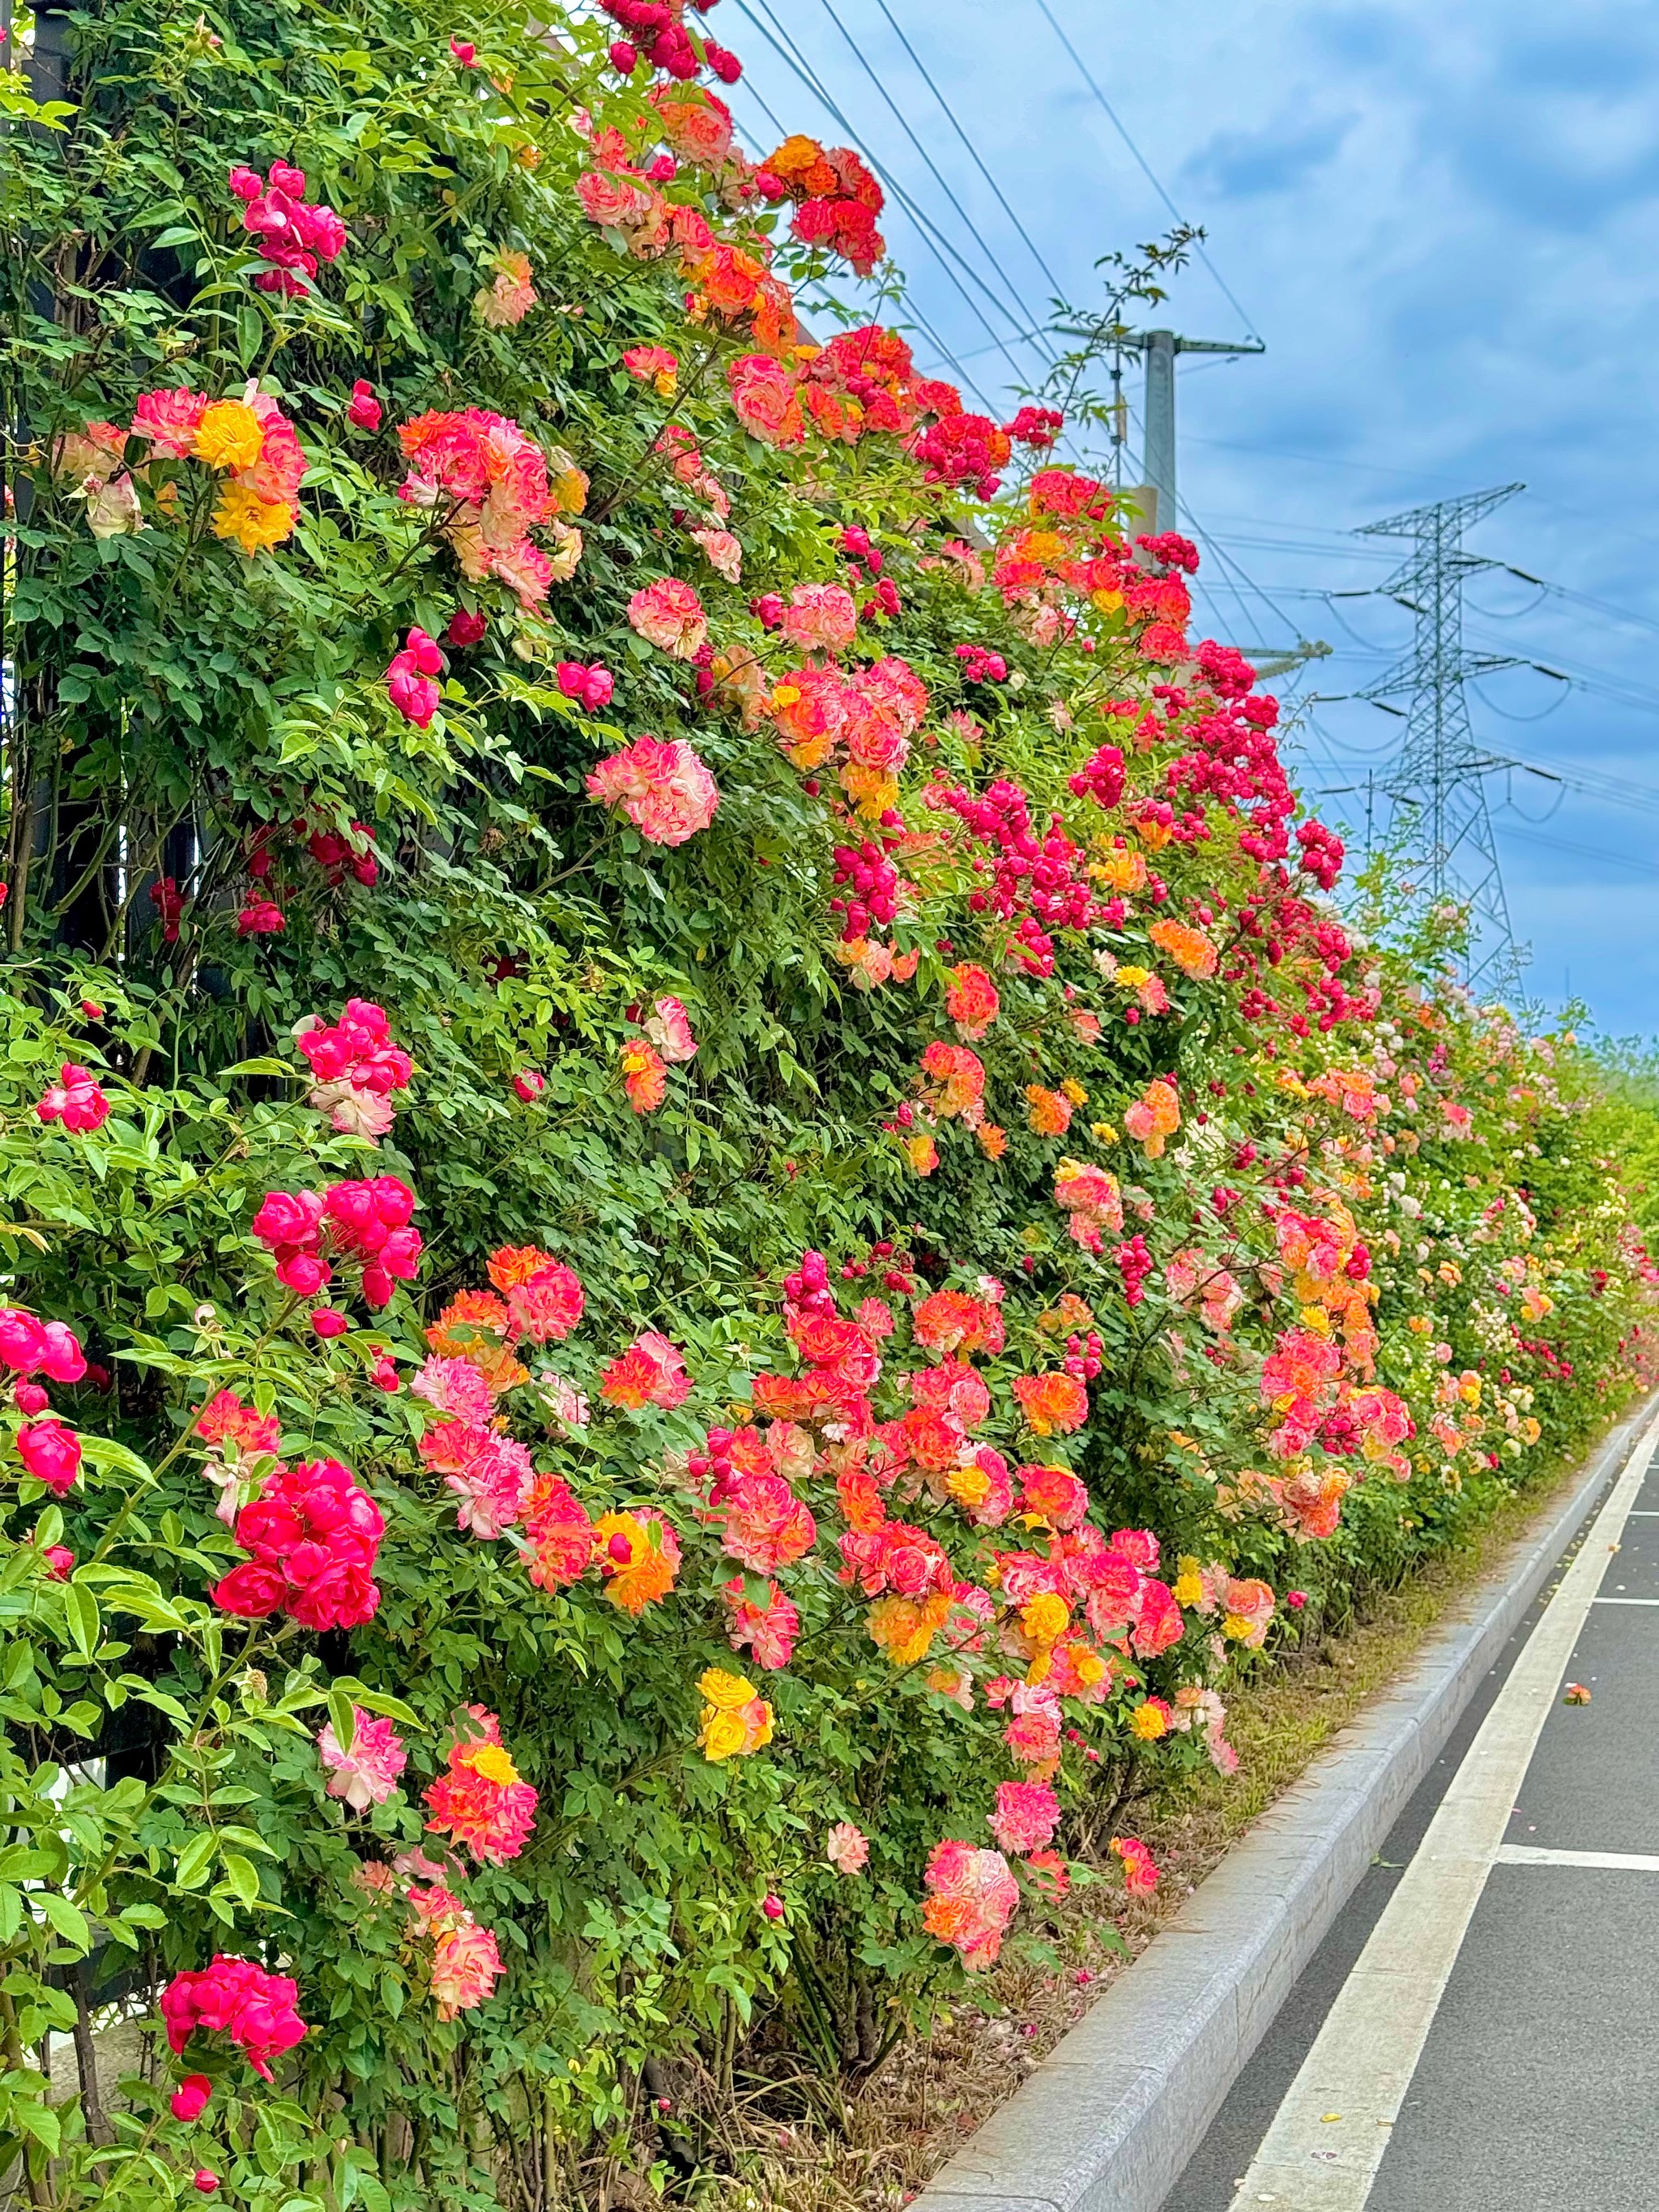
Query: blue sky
{"type": "Point", "coordinates": [1444, 219]}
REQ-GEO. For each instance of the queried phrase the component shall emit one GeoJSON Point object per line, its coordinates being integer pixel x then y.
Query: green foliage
{"type": "Point", "coordinates": [198, 729]}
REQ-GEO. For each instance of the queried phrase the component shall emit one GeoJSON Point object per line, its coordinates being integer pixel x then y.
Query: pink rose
{"type": "Point", "coordinates": [820, 617]}
{"type": "Point", "coordinates": [51, 1453]}
{"type": "Point", "coordinates": [766, 399]}
{"type": "Point", "coordinates": [364, 407]}
{"type": "Point", "coordinates": [666, 790]}
{"type": "Point", "coordinates": [613, 202]}
{"type": "Point", "coordinates": [847, 1848]}
{"type": "Point", "coordinates": [670, 615]}
{"type": "Point", "coordinates": [190, 2100]}
{"type": "Point", "coordinates": [76, 1100]}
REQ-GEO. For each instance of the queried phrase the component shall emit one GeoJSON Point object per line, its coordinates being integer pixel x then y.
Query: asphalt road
{"type": "Point", "coordinates": [1476, 2033]}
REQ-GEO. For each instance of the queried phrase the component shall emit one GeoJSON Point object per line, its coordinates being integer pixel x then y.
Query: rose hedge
{"type": "Point", "coordinates": [705, 1216]}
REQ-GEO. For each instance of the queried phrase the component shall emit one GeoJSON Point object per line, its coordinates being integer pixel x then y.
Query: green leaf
{"type": "Point", "coordinates": [195, 1859]}
{"type": "Point", "coordinates": [341, 1719]}
{"type": "Point", "coordinates": [163, 1703]}
{"type": "Point", "coordinates": [243, 1877]}
{"type": "Point", "coordinates": [359, 2186]}
{"type": "Point", "coordinates": [387, 1707]}
{"type": "Point", "coordinates": [110, 1457]}
{"type": "Point", "coordinates": [68, 1919]}
{"type": "Point", "coordinates": [36, 2119]}
{"type": "Point", "coordinates": [249, 1840]}
{"type": "Point", "coordinates": [80, 1609]}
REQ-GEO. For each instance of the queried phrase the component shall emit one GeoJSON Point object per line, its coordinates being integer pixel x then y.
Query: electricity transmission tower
{"type": "Point", "coordinates": [1440, 778]}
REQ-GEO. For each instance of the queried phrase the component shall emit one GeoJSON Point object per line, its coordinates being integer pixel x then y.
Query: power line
{"type": "Point", "coordinates": [932, 237]}
{"type": "Point", "coordinates": [1596, 783]}
{"type": "Point", "coordinates": [1508, 714]}
{"type": "Point", "coordinates": [1590, 602]}
{"type": "Point", "coordinates": [1594, 605]}
{"type": "Point", "coordinates": [1145, 166]}
{"type": "Point", "coordinates": [1032, 245]}
{"type": "Point", "coordinates": [1418, 476]}
{"type": "Point", "coordinates": [925, 228]}
{"type": "Point", "coordinates": [1623, 690]}
{"type": "Point", "coordinates": [1600, 853]}
{"type": "Point", "coordinates": [933, 169]}
{"type": "Point", "coordinates": [1320, 461]}
{"type": "Point", "coordinates": [1316, 552]}
{"type": "Point", "coordinates": [1230, 572]}
{"type": "Point", "coordinates": [914, 313]}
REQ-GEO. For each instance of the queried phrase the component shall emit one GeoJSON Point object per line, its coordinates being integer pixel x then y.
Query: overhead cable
{"type": "Point", "coordinates": [942, 248]}
{"type": "Point", "coordinates": [973, 151]}
{"type": "Point", "coordinates": [1021, 308]}
{"type": "Point", "coordinates": [1145, 167]}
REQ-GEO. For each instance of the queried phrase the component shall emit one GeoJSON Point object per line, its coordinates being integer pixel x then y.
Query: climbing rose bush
{"type": "Point", "coordinates": [710, 1206]}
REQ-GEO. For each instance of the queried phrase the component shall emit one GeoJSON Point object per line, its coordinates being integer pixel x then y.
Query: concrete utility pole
{"type": "Point", "coordinates": [1440, 776]}
{"type": "Point", "coordinates": [1158, 349]}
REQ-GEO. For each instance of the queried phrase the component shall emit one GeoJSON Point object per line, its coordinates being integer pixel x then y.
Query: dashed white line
{"type": "Point", "coordinates": [1326, 2141]}
{"type": "Point", "coordinates": [1535, 1854]}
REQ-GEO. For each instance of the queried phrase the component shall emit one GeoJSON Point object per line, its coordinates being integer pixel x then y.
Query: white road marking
{"type": "Point", "coordinates": [1362, 2060]}
{"type": "Point", "coordinates": [1534, 1855]}
{"type": "Point", "coordinates": [1625, 1600]}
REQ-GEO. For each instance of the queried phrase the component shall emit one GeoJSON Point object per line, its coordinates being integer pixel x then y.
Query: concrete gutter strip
{"type": "Point", "coordinates": [1109, 2119]}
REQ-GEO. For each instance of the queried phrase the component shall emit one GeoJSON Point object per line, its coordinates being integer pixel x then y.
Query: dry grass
{"type": "Point", "coordinates": [935, 2092]}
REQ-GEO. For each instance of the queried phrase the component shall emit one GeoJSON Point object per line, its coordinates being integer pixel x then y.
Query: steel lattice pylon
{"type": "Point", "coordinates": [1440, 777]}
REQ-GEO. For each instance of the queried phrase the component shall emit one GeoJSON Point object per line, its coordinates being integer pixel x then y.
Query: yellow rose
{"type": "Point", "coordinates": [566, 481]}
{"type": "Point", "coordinates": [494, 1762]}
{"type": "Point", "coordinates": [723, 1735]}
{"type": "Point", "coordinates": [256, 524]}
{"type": "Point", "coordinates": [1045, 1617]}
{"type": "Point", "coordinates": [969, 1485]}
{"type": "Point", "coordinates": [228, 435]}
{"type": "Point", "coordinates": [725, 1692]}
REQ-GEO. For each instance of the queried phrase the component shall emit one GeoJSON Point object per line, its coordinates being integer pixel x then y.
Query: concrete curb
{"type": "Point", "coordinates": [1109, 2119]}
